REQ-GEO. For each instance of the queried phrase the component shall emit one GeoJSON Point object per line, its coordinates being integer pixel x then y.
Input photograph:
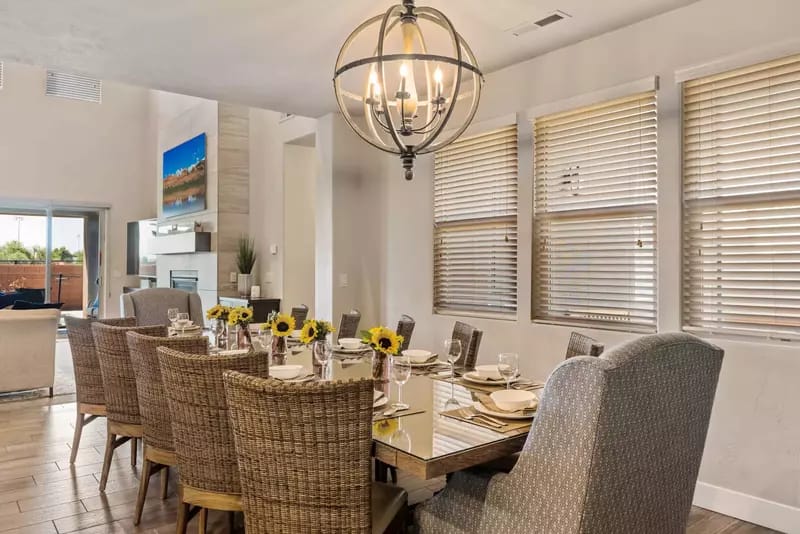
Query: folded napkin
{"type": "Point", "coordinates": [487, 401]}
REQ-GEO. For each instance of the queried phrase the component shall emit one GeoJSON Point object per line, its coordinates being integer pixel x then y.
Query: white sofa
{"type": "Point", "coordinates": [27, 349]}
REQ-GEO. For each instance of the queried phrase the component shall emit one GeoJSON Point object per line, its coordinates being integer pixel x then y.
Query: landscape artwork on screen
{"type": "Point", "coordinates": [184, 177]}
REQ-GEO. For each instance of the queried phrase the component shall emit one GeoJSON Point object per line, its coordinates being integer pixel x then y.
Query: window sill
{"type": "Point", "coordinates": [476, 315]}
{"type": "Point", "coordinates": [626, 329]}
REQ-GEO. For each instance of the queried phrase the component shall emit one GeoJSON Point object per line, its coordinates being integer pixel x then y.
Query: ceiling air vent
{"type": "Point", "coordinates": [531, 25]}
{"type": "Point", "coordinates": [74, 86]}
{"type": "Point", "coordinates": [285, 117]}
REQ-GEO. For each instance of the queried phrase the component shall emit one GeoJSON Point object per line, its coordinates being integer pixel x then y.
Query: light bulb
{"type": "Point", "coordinates": [437, 75]}
{"type": "Point", "coordinates": [409, 105]}
{"type": "Point", "coordinates": [373, 77]}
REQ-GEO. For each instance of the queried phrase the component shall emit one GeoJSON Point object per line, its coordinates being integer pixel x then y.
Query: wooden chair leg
{"type": "Point", "coordinates": [109, 455]}
{"type": "Point", "coordinates": [134, 449]}
{"type": "Point", "coordinates": [164, 482]}
{"type": "Point", "coordinates": [76, 439]}
{"type": "Point", "coordinates": [231, 522]}
{"type": "Point", "coordinates": [144, 482]}
{"type": "Point", "coordinates": [202, 520]}
{"type": "Point", "coordinates": [393, 473]}
{"type": "Point", "coordinates": [183, 517]}
{"type": "Point", "coordinates": [50, 392]}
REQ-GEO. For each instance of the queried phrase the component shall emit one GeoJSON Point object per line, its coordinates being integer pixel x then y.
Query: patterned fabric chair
{"type": "Point", "coordinates": [123, 419]}
{"type": "Point", "coordinates": [149, 306]}
{"type": "Point", "coordinates": [405, 327]}
{"type": "Point", "coordinates": [470, 344]}
{"type": "Point", "coordinates": [348, 327]}
{"type": "Point", "coordinates": [300, 313]}
{"type": "Point", "coordinates": [280, 492]}
{"type": "Point", "coordinates": [581, 345]}
{"type": "Point", "coordinates": [204, 446]}
{"type": "Point", "coordinates": [159, 446]}
{"type": "Point", "coordinates": [88, 379]}
{"type": "Point", "coordinates": [615, 447]}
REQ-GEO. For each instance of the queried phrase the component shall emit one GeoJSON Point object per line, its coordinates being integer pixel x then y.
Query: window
{"type": "Point", "coordinates": [741, 201]}
{"type": "Point", "coordinates": [475, 224]}
{"type": "Point", "coordinates": [595, 215]}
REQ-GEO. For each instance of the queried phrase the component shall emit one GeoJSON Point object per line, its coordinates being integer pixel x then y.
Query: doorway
{"type": "Point", "coordinates": [300, 169]}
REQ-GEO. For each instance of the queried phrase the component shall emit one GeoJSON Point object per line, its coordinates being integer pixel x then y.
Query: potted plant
{"type": "Point", "coordinates": [245, 261]}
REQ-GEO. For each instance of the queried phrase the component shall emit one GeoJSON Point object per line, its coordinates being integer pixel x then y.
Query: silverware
{"type": "Point", "coordinates": [391, 411]}
{"type": "Point", "coordinates": [466, 414]}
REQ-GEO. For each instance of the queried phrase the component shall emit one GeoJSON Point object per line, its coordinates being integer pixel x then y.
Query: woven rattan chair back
{"type": "Point", "coordinates": [348, 327]}
{"type": "Point", "coordinates": [405, 327]}
{"type": "Point", "coordinates": [156, 420]}
{"type": "Point", "coordinates": [88, 378]}
{"type": "Point", "coordinates": [300, 314]}
{"type": "Point", "coordinates": [196, 394]}
{"type": "Point", "coordinates": [581, 345]}
{"type": "Point", "coordinates": [470, 344]}
{"type": "Point", "coordinates": [271, 423]}
{"type": "Point", "coordinates": [119, 380]}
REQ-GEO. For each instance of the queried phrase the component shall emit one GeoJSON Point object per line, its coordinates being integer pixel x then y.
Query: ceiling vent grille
{"type": "Point", "coordinates": [285, 117]}
{"type": "Point", "coordinates": [529, 26]}
{"type": "Point", "coordinates": [74, 86]}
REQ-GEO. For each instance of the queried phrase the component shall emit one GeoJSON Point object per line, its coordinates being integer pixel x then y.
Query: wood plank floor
{"type": "Point", "coordinates": [40, 493]}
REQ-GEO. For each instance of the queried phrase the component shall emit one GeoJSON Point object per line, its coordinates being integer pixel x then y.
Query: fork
{"type": "Point", "coordinates": [469, 416]}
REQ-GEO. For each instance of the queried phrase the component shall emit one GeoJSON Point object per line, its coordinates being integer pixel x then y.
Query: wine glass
{"type": "Point", "coordinates": [401, 372]}
{"type": "Point", "coordinates": [452, 348]}
{"type": "Point", "coordinates": [507, 366]}
{"type": "Point", "coordinates": [322, 352]}
{"type": "Point", "coordinates": [172, 315]}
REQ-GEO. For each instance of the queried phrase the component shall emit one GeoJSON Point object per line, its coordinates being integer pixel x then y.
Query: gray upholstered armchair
{"type": "Point", "coordinates": [615, 447]}
{"type": "Point", "coordinates": [150, 306]}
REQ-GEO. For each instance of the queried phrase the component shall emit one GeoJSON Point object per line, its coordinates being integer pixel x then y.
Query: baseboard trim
{"type": "Point", "coordinates": [748, 508]}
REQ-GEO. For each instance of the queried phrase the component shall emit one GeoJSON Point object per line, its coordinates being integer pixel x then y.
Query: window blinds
{"type": "Point", "coordinates": [475, 224]}
{"type": "Point", "coordinates": [595, 215]}
{"type": "Point", "coordinates": [741, 193]}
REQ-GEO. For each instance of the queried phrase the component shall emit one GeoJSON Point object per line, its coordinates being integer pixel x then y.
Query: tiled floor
{"type": "Point", "coordinates": [40, 493]}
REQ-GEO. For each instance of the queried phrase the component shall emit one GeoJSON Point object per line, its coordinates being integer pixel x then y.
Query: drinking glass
{"type": "Point", "coordinates": [183, 320]}
{"type": "Point", "coordinates": [172, 315]}
{"type": "Point", "coordinates": [401, 372]}
{"type": "Point", "coordinates": [507, 366]}
{"type": "Point", "coordinates": [452, 348]}
{"type": "Point", "coordinates": [322, 352]}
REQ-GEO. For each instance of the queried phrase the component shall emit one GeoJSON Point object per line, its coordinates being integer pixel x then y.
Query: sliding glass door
{"type": "Point", "coordinates": [53, 254]}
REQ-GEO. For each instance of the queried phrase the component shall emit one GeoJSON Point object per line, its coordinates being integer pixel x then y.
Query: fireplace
{"type": "Point", "coordinates": [183, 279]}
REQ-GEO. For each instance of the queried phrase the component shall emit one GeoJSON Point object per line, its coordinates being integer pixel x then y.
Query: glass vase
{"type": "Point", "coordinates": [279, 350]}
{"type": "Point", "coordinates": [243, 339]}
{"type": "Point", "coordinates": [380, 367]}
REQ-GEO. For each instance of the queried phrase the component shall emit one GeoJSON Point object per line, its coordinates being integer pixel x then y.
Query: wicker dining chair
{"type": "Point", "coordinates": [88, 380]}
{"type": "Point", "coordinates": [159, 447]}
{"type": "Point", "coordinates": [470, 344]}
{"type": "Point", "coordinates": [204, 446]}
{"type": "Point", "coordinates": [581, 345]}
{"type": "Point", "coordinates": [405, 327]}
{"type": "Point", "coordinates": [123, 420]}
{"type": "Point", "coordinates": [280, 492]}
{"type": "Point", "coordinates": [348, 326]}
{"type": "Point", "coordinates": [300, 313]}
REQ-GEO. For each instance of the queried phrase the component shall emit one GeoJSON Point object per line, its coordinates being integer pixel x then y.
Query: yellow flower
{"type": "Point", "coordinates": [283, 325]}
{"type": "Point", "coordinates": [240, 316]}
{"type": "Point", "coordinates": [384, 340]}
{"type": "Point", "coordinates": [218, 311]}
{"type": "Point", "coordinates": [309, 332]}
{"type": "Point", "coordinates": [385, 427]}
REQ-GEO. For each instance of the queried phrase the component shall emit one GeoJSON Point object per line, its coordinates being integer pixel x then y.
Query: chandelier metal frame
{"type": "Point", "coordinates": [440, 107]}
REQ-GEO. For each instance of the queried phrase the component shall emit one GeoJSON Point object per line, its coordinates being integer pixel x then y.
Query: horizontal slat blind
{"type": "Point", "coordinates": [74, 86]}
{"type": "Point", "coordinates": [595, 191]}
{"type": "Point", "coordinates": [475, 224]}
{"type": "Point", "coordinates": [741, 192]}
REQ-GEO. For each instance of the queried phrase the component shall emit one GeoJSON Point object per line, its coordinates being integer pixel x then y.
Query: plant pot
{"type": "Point", "coordinates": [244, 283]}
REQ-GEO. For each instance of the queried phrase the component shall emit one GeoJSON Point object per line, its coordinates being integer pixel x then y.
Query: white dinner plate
{"type": "Point", "coordinates": [473, 377]}
{"type": "Point", "coordinates": [427, 364]}
{"type": "Point", "coordinates": [302, 380]}
{"type": "Point", "coordinates": [339, 348]}
{"type": "Point", "coordinates": [505, 415]}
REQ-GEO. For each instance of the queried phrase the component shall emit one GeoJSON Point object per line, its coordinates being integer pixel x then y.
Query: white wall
{"type": "Point", "coordinates": [65, 151]}
{"type": "Point", "coordinates": [300, 169]}
{"type": "Point", "coordinates": [753, 446]}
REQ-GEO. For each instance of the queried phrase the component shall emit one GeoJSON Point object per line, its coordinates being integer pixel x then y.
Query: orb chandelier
{"type": "Point", "coordinates": [404, 90]}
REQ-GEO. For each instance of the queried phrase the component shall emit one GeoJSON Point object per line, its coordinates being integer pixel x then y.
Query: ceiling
{"type": "Point", "coordinates": [265, 53]}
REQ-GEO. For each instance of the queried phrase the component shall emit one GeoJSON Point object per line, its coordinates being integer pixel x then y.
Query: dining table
{"type": "Point", "coordinates": [421, 440]}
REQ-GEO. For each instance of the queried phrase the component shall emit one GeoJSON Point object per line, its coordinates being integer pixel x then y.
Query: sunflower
{"type": "Point", "coordinates": [383, 340]}
{"type": "Point", "coordinates": [309, 332]}
{"type": "Point", "coordinates": [240, 316]}
{"type": "Point", "coordinates": [283, 325]}
{"type": "Point", "coordinates": [218, 311]}
{"type": "Point", "coordinates": [385, 427]}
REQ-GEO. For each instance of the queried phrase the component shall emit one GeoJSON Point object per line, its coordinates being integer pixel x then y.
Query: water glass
{"type": "Point", "coordinates": [183, 321]}
{"type": "Point", "coordinates": [508, 366]}
{"type": "Point", "coordinates": [322, 352]}
{"type": "Point", "coordinates": [172, 315]}
{"type": "Point", "coordinates": [452, 348]}
{"type": "Point", "coordinates": [401, 372]}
